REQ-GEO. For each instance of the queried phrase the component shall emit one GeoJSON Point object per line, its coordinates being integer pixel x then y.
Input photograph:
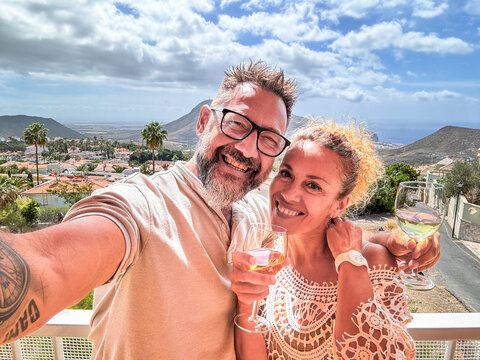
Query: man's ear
{"type": "Point", "coordinates": [341, 206]}
{"type": "Point", "coordinates": [203, 119]}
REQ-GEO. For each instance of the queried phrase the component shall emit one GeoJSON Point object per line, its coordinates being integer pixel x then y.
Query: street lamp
{"type": "Point", "coordinates": [459, 187]}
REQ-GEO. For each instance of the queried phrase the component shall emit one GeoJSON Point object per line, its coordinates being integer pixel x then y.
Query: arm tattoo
{"type": "Point", "coordinates": [14, 281]}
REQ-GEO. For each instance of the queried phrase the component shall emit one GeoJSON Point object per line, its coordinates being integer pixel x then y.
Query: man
{"type": "Point", "coordinates": [157, 248]}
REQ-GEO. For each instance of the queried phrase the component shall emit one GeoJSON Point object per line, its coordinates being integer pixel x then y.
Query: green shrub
{"type": "Point", "coordinates": [30, 212]}
{"type": "Point", "coordinates": [14, 216]}
{"type": "Point", "coordinates": [383, 201]}
{"type": "Point", "coordinates": [52, 214]}
{"type": "Point", "coordinates": [86, 303]}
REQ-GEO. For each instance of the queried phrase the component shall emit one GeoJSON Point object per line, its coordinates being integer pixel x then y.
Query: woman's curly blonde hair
{"type": "Point", "coordinates": [354, 146]}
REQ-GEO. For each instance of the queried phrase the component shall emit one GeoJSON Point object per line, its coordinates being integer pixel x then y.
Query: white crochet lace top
{"type": "Point", "coordinates": [303, 318]}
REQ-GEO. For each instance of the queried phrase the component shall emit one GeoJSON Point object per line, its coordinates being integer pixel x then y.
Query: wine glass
{"type": "Point", "coordinates": [268, 244]}
{"type": "Point", "coordinates": [419, 210]}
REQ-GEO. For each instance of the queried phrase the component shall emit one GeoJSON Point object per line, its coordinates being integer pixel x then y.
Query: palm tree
{"type": "Point", "coordinates": [36, 134]}
{"type": "Point", "coordinates": [154, 134]}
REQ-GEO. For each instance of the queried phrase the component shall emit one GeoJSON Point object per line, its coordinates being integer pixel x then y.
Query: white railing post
{"type": "Point", "coordinates": [58, 348]}
{"type": "Point", "coordinates": [16, 350]}
{"type": "Point", "coordinates": [450, 350]}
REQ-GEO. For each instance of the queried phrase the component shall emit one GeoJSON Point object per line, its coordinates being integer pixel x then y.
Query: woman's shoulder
{"type": "Point", "coordinates": [378, 256]}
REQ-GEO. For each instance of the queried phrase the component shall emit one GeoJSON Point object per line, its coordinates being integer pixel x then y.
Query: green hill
{"type": "Point", "coordinates": [16, 124]}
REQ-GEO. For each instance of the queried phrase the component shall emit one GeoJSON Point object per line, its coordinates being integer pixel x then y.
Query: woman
{"type": "Point", "coordinates": [329, 302]}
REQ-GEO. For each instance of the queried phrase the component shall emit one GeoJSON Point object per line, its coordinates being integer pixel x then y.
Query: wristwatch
{"type": "Point", "coordinates": [353, 257]}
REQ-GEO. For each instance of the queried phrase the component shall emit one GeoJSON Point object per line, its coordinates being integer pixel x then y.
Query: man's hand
{"type": "Point", "coordinates": [248, 285]}
{"type": "Point", "coordinates": [411, 255]}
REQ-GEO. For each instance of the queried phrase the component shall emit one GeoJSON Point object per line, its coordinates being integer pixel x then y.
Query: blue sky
{"type": "Point", "coordinates": [404, 67]}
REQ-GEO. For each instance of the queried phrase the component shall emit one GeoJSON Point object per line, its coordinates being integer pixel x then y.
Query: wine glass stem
{"type": "Point", "coordinates": [415, 271]}
{"type": "Point", "coordinates": [254, 311]}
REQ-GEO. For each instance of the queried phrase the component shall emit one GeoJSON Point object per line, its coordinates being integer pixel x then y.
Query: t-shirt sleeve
{"type": "Point", "coordinates": [125, 204]}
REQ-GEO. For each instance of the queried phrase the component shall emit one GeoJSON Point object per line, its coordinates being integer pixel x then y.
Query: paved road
{"type": "Point", "coordinates": [459, 270]}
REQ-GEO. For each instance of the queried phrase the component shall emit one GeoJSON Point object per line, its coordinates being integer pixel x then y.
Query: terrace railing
{"type": "Point", "coordinates": [446, 336]}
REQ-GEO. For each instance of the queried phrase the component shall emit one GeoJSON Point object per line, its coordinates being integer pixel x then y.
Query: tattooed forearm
{"type": "Point", "coordinates": [14, 281]}
{"type": "Point", "coordinates": [28, 317]}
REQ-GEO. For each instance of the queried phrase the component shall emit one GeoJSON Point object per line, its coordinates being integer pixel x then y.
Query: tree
{"type": "Point", "coordinates": [30, 179]}
{"type": "Point", "coordinates": [8, 191]}
{"type": "Point", "coordinates": [118, 169]}
{"type": "Point", "coordinates": [154, 134]}
{"type": "Point", "coordinates": [30, 212]}
{"type": "Point", "coordinates": [144, 169]}
{"type": "Point", "coordinates": [468, 173]}
{"type": "Point", "coordinates": [107, 148]}
{"type": "Point", "coordinates": [19, 215]}
{"type": "Point", "coordinates": [36, 134]}
{"type": "Point", "coordinates": [72, 192]}
{"type": "Point", "coordinates": [383, 200]}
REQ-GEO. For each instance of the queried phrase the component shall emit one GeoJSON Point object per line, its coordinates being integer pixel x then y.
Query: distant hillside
{"type": "Point", "coordinates": [181, 132]}
{"type": "Point", "coordinates": [15, 125]}
{"type": "Point", "coordinates": [450, 141]}
{"type": "Point", "coordinates": [184, 128]}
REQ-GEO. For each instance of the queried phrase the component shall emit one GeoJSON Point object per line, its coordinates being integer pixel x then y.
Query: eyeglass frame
{"type": "Point", "coordinates": [259, 129]}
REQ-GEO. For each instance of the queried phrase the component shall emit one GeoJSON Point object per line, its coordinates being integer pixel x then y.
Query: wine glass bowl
{"type": "Point", "coordinates": [268, 244]}
{"type": "Point", "coordinates": [419, 211]}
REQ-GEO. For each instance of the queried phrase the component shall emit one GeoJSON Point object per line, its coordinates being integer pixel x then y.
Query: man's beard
{"type": "Point", "coordinates": [225, 191]}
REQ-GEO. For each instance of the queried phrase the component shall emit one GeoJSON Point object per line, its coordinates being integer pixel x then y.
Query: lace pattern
{"type": "Point", "coordinates": [303, 318]}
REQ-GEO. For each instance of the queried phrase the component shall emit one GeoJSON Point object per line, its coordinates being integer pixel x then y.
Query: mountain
{"type": "Point", "coordinates": [453, 141]}
{"type": "Point", "coordinates": [16, 124]}
{"type": "Point", "coordinates": [184, 129]}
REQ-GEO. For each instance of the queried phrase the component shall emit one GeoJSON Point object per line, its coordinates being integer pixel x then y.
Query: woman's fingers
{"type": "Point", "coordinates": [425, 254]}
{"type": "Point", "coordinates": [248, 285]}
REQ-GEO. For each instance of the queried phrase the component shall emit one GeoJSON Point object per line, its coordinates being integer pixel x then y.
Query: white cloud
{"type": "Point", "coordinates": [435, 95]}
{"type": "Point", "coordinates": [164, 44]}
{"type": "Point", "coordinates": [169, 44]}
{"type": "Point", "coordinates": [351, 8]}
{"type": "Point", "coordinates": [390, 34]}
{"type": "Point", "coordinates": [260, 4]}
{"type": "Point", "coordinates": [333, 10]}
{"type": "Point", "coordinates": [429, 8]}
{"type": "Point", "coordinates": [297, 23]}
{"type": "Point", "coordinates": [225, 3]}
{"type": "Point", "coordinates": [472, 7]}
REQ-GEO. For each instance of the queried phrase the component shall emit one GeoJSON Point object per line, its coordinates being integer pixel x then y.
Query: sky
{"type": "Point", "coordinates": [405, 68]}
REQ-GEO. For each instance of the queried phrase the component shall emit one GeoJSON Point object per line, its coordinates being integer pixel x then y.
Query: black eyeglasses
{"type": "Point", "coordinates": [238, 127]}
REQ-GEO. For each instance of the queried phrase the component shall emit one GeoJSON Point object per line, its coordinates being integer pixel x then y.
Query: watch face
{"type": "Point", "coordinates": [356, 256]}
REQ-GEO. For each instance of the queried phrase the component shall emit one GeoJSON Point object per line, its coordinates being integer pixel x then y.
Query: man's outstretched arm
{"type": "Point", "coordinates": [45, 271]}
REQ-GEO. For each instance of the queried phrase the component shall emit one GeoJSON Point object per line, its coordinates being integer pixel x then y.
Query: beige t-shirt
{"type": "Point", "coordinates": [170, 298]}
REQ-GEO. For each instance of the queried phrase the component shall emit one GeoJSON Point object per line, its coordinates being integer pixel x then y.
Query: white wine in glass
{"type": "Point", "coordinates": [419, 210]}
{"type": "Point", "coordinates": [269, 247]}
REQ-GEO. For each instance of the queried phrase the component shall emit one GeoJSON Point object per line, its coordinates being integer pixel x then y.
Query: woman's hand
{"type": "Point", "coordinates": [343, 236]}
{"type": "Point", "coordinates": [411, 255]}
{"type": "Point", "coordinates": [248, 285]}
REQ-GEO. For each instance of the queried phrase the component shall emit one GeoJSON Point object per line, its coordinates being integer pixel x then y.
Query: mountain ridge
{"type": "Point", "coordinates": [14, 125]}
{"type": "Point", "coordinates": [453, 141]}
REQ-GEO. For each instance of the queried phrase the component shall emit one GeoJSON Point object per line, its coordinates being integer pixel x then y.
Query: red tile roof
{"type": "Point", "coordinates": [52, 184]}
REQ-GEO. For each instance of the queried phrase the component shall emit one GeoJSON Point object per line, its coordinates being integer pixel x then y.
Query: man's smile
{"type": "Point", "coordinates": [234, 163]}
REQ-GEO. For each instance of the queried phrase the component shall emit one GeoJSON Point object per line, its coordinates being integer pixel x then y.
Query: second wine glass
{"type": "Point", "coordinates": [269, 245]}
{"type": "Point", "coordinates": [419, 210]}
